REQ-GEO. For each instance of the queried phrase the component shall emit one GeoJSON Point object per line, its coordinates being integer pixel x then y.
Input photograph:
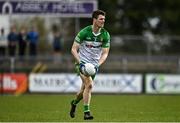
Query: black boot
{"type": "Point", "coordinates": [73, 109]}
{"type": "Point", "coordinates": [88, 116]}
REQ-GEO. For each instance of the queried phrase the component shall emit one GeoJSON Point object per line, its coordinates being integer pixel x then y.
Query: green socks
{"type": "Point", "coordinates": [77, 100]}
{"type": "Point", "coordinates": [86, 108]}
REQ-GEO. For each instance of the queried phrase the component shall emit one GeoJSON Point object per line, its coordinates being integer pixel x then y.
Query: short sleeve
{"type": "Point", "coordinates": [80, 36]}
{"type": "Point", "coordinates": [106, 41]}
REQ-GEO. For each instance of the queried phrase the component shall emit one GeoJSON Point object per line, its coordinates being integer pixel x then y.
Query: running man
{"type": "Point", "coordinates": [91, 45]}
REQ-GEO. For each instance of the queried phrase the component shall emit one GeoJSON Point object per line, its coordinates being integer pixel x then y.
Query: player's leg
{"type": "Point", "coordinates": [79, 95]}
{"type": "Point", "coordinates": [74, 102]}
{"type": "Point", "coordinates": [87, 96]}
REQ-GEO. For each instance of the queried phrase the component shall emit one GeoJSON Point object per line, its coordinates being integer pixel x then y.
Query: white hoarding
{"type": "Point", "coordinates": [54, 83]}
{"type": "Point", "coordinates": [162, 83]}
{"type": "Point", "coordinates": [103, 83]}
{"type": "Point", "coordinates": [118, 83]}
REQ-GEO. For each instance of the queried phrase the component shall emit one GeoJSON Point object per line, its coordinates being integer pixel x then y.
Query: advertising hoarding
{"type": "Point", "coordinates": [14, 83]}
{"type": "Point", "coordinates": [62, 8]}
{"type": "Point", "coordinates": [103, 83]}
{"type": "Point", "coordinates": [162, 83]}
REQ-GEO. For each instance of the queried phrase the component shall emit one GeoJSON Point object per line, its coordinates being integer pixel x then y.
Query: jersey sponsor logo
{"type": "Point", "coordinates": [91, 45]}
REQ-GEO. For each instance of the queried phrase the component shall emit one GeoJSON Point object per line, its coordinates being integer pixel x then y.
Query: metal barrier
{"type": "Point", "coordinates": [114, 64]}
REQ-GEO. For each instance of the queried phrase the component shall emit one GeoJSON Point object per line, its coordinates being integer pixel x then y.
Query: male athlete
{"type": "Point", "coordinates": [91, 45]}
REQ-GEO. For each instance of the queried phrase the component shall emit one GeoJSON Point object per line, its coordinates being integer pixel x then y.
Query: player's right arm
{"type": "Point", "coordinates": [75, 47]}
{"type": "Point", "coordinates": [105, 48]}
{"type": "Point", "coordinates": [74, 51]}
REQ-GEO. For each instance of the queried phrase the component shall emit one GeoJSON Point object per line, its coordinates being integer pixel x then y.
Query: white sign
{"type": "Point", "coordinates": [103, 83]}
{"type": "Point", "coordinates": [162, 83]}
{"type": "Point", "coordinates": [54, 83]}
{"type": "Point", "coordinates": [118, 83]}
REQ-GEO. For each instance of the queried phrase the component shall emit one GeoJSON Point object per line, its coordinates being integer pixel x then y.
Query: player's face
{"type": "Point", "coordinates": [100, 21]}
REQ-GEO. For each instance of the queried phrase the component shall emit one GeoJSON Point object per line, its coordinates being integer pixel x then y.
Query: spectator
{"type": "Point", "coordinates": [57, 46]}
{"type": "Point", "coordinates": [12, 41]}
{"type": "Point", "coordinates": [32, 38]}
{"type": "Point", "coordinates": [3, 43]}
{"type": "Point", "coordinates": [22, 42]}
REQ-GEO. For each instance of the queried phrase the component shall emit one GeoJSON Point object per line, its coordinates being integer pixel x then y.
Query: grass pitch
{"type": "Point", "coordinates": [105, 108]}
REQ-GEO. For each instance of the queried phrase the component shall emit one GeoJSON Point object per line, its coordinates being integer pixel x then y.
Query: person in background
{"type": "Point", "coordinates": [33, 38]}
{"type": "Point", "coordinates": [22, 41]}
{"type": "Point", "coordinates": [3, 43]}
{"type": "Point", "coordinates": [57, 46]}
{"type": "Point", "coordinates": [12, 41]}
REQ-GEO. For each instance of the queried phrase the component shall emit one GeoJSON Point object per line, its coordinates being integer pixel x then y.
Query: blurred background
{"type": "Point", "coordinates": [144, 35]}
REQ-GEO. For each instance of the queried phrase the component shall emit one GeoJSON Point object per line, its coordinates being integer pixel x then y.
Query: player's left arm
{"type": "Point", "coordinates": [105, 52]}
{"type": "Point", "coordinates": [105, 48]}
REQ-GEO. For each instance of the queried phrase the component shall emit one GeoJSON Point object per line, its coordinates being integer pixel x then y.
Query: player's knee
{"type": "Point", "coordinates": [89, 86]}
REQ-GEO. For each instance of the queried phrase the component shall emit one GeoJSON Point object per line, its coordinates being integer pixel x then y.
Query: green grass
{"type": "Point", "coordinates": [125, 108]}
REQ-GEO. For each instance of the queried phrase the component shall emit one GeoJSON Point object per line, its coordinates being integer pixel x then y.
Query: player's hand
{"type": "Point", "coordinates": [81, 66]}
{"type": "Point", "coordinates": [78, 68]}
{"type": "Point", "coordinates": [97, 68]}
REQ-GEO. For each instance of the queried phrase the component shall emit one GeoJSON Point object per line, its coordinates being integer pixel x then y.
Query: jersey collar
{"type": "Point", "coordinates": [96, 34]}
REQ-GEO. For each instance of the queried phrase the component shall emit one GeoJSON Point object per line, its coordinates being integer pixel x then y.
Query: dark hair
{"type": "Point", "coordinates": [96, 13]}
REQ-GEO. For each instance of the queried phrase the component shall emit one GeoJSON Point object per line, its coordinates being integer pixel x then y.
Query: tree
{"type": "Point", "coordinates": [132, 16]}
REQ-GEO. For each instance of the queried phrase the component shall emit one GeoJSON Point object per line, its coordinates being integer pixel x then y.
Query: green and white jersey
{"type": "Point", "coordinates": [91, 44]}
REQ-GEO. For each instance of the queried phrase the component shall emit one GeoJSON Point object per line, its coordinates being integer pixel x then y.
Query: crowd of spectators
{"type": "Point", "coordinates": [24, 42]}
{"type": "Point", "coordinates": [18, 43]}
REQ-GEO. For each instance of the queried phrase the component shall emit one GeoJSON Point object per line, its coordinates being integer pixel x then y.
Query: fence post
{"type": "Point", "coordinates": [12, 64]}
{"type": "Point", "coordinates": [124, 62]}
